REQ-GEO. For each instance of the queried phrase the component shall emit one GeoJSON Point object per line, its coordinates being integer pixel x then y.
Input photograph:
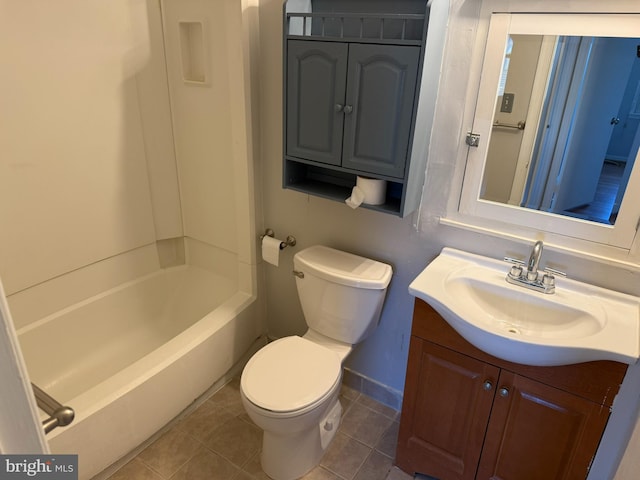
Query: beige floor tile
{"type": "Point", "coordinates": [345, 456]}
{"type": "Point", "coordinates": [245, 417]}
{"type": "Point", "coordinates": [346, 404]}
{"type": "Point", "coordinates": [253, 468]}
{"type": "Point", "coordinates": [172, 450]}
{"type": "Point", "coordinates": [347, 397]}
{"type": "Point", "coordinates": [203, 421]}
{"type": "Point", "coordinates": [137, 470]}
{"type": "Point", "coordinates": [389, 440]}
{"type": "Point", "coordinates": [236, 440]}
{"type": "Point", "coordinates": [350, 393]}
{"type": "Point", "coordinates": [397, 474]}
{"type": "Point", "coordinates": [376, 467]}
{"type": "Point", "coordinates": [229, 397]}
{"type": "Point", "coordinates": [378, 407]}
{"type": "Point", "coordinates": [320, 473]}
{"type": "Point", "coordinates": [245, 476]}
{"type": "Point", "coordinates": [206, 465]}
{"type": "Point", "coordinates": [364, 424]}
{"type": "Point", "coordinates": [219, 441]}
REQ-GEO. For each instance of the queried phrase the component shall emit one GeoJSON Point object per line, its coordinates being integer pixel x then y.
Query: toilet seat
{"type": "Point", "coordinates": [290, 375]}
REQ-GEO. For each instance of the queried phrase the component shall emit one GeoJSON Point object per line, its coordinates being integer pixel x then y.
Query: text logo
{"type": "Point", "coordinates": [49, 467]}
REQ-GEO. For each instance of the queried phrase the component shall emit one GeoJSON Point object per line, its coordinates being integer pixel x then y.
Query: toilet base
{"type": "Point", "coordinates": [290, 457]}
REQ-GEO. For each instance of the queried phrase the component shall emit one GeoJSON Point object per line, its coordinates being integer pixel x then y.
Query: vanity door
{"type": "Point", "coordinates": [445, 412]}
{"type": "Point", "coordinates": [539, 432]}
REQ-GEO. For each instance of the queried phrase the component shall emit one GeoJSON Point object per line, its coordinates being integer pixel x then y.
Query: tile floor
{"type": "Point", "coordinates": [218, 441]}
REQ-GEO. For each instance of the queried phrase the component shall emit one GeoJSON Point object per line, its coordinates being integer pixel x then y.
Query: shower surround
{"type": "Point", "coordinates": [126, 184]}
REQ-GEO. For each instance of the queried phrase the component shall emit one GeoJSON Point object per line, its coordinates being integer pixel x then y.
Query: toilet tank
{"type": "Point", "coordinates": [341, 293]}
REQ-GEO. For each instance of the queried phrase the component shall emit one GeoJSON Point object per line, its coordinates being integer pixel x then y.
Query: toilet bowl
{"type": "Point", "coordinates": [294, 402]}
{"type": "Point", "coordinates": [290, 387]}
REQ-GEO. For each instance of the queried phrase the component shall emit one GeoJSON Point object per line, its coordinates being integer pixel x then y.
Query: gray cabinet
{"type": "Point", "coordinates": [351, 90]}
{"type": "Point", "coordinates": [316, 73]}
{"type": "Point", "coordinates": [351, 104]}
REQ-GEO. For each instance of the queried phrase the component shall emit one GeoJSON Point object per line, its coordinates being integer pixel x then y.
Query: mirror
{"type": "Point", "coordinates": [565, 128]}
{"type": "Point", "coordinates": [550, 96]}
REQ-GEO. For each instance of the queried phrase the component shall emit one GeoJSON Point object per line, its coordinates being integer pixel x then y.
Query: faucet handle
{"type": "Point", "coordinates": [515, 261]}
{"type": "Point", "coordinates": [553, 271]}
{"type": "Point", "coordinates": [516, 269]}
{"type": "Point", "coordinates": [549, 279]}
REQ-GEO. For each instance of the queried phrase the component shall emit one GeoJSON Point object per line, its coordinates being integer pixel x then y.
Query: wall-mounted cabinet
{"type": "Point", "coordinates": [467, 415]}
{"type": "Point", "coordinates": [352, 71]}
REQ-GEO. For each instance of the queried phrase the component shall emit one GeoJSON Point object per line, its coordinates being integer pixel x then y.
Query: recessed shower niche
{"type": "Point", "coordinates": [195, 67]}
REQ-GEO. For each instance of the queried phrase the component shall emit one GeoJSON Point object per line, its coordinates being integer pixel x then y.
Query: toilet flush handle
{"type": "Point", "coordinates": [298, 274]}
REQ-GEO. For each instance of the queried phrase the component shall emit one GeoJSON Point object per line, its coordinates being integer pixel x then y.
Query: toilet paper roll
{"type": "Point", "coordinates": [271, 250]}
{"type": "Point", "coordinates": [374, 190]}
{"type": "Point", "coordinates": [356, 198]}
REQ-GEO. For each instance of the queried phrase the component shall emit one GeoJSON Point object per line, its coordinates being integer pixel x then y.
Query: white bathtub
{"type": "Point", "coordinates": [132, 358]}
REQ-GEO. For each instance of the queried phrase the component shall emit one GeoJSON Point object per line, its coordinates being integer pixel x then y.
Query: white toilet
{"type": "Point", "coordinates": [290, 387]}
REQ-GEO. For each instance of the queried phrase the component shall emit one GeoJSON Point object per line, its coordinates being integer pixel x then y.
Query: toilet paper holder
{"type": "Point", "coordinates": [290, 241]}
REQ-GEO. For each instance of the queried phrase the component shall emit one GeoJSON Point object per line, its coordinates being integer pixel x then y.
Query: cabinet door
{"type": "Point", "coordinates": [381, 86]}
{"type": "Point", "coordinates": [445, 412]}
{"type": "Point", "coordinates": [316, 73]}
{"type": "Point", "coordinates": [539, 432]}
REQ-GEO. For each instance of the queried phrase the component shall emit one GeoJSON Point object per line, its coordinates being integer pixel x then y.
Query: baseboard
{"type": "Point", "coordinates": [376, 390]}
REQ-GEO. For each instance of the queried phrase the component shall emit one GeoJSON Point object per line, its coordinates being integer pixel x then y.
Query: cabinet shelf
{"type": "Point", "coordinates": [335, 184]}
{"type": "Point", "coordinates": [357, 27]}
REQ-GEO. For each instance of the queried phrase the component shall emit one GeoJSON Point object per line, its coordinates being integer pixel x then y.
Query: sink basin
{"type": "Point", "coordinates": [578, 323]}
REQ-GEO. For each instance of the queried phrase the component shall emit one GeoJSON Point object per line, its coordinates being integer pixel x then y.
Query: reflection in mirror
{"type": "Point", "coordinates": [565, 129]}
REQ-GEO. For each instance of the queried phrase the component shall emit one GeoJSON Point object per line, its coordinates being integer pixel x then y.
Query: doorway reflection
{"type": "Point", "coordinates": [601, 209]}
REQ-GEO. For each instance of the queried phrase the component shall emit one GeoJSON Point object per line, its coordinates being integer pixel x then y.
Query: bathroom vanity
{"type": "Point", "coordinates": [469, 415]}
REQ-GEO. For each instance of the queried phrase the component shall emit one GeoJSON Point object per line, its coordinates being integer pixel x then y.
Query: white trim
{"type": "Point", "coordinates": [20, 429]}
{"type": "Point", "coordinates": [621, 234]}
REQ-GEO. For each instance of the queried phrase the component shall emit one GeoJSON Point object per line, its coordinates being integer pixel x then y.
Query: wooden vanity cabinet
{"type": "Point", "coordinates": [468, 415]}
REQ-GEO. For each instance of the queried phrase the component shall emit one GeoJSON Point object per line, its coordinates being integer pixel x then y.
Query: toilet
{"type": "Point", "coordinates": [290, 387]}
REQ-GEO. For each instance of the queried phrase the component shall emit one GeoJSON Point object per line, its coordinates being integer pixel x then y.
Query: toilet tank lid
{"type": "Point", "coordinates": [343, 268]}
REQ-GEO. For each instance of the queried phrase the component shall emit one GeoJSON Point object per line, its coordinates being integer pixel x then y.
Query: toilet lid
{"type": "Point", "coordinates": [290, 374]}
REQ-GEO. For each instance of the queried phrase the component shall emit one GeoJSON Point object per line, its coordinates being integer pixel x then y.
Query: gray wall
{"type": "Point", "coordinates": [382, 357]}
{"type": "Point", "coordinates": [313, 220]}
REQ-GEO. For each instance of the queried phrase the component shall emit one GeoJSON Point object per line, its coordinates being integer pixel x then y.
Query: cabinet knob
{"type": "Point", "coordinates": [487, 385]}
{"type": "Point", "coordinates": [348, 109]}
{"type": "Point", "coordinates": [338, 107]}
{"type": "Point", "coordinates": [503, 392]}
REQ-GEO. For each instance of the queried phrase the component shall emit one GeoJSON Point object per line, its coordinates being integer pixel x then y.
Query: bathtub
{"type": "Point", "coordinates": [130, 359]}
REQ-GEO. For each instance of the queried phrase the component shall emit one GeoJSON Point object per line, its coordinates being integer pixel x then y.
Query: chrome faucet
{"type": "Point", "coordinates": [534, 261]}
{"type": "Point", "coordinates": [526, 274]}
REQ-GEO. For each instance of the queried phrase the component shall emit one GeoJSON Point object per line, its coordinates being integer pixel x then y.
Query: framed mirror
{"type": "Point", "coordinates": [558, 120]}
